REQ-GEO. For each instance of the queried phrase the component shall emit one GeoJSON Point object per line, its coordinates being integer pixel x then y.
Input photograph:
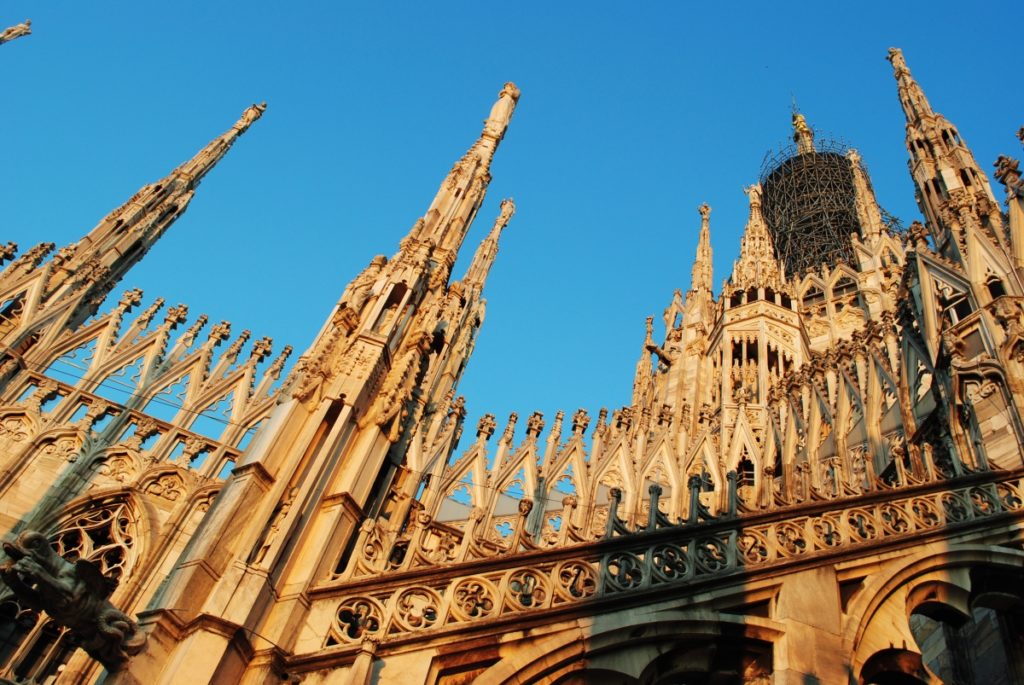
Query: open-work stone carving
{"type": "Point", "coordinates": [73, 594]}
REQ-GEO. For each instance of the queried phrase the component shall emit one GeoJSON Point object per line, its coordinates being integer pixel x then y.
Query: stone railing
{"type": "Point", "coordinates": [402, 603]}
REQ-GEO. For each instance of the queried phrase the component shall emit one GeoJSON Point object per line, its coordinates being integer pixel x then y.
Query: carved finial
{"type": "Point", "coordinates": [535, 424]}
{"type": "Point", "coordinates": [131, 298]}
{"type": "Point", "coordinates": [485, 427]}
{"type": "Point", "coordinates": [261, 348]}
{"type": "Point", "coordinates": [146, 316]}
{"type": "Point", "coordinates": [16, 31]}
{"type": "Point", "coordinates": [220, 333]}
{"type": "Point", "coordinates": [193, 330]}
{"type": "Point", "coordinates": [510, 428]}
{"type": "Point", "coordinates": [580, 421]}
{"type": "Point", "coordinates": [231, 354]}
{"type": "Point", "coordinates": [176, 315]}
{"type": "Point", "coordinates": [274, 370]}
{"type": "Point", "coordinates": [7, 251]}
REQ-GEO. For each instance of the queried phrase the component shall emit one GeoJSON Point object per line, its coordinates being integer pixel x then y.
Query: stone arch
{"type": "Point", "coordinates": [631, 651]}
{"type": "Point", "coordinates": [91, 509]}
{"type": "Point", "coordinates": [895, 667]}
{"type": "Point", "coordinates": [118, 463]}
{"type": "Point", "coordinates": [165, 481]}
{"type": "Point", "coordinates": [934, 581]}
{"type": "Point", "coordinates": [17, 426]}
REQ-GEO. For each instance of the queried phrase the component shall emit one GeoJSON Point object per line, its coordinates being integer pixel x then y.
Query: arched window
{"type": "Point", "coordinates": [812, 297]}
{"type": "Point", "coordinates": [995, 287]}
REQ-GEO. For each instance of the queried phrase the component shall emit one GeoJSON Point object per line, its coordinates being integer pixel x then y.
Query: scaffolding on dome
{"type": "Point", "coordinates": [809, 205]}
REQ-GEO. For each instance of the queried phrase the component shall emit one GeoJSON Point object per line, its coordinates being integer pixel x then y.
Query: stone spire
{"type": "Point", "coordinates": [462, 192]}
{"type": "Point", "coordinates": [952, 190]}
{"type": "Point", "coordinates": [101, 258]}
{"type": "Point", "coordinates": [476, 275]}
{"type": "Point", "coordinates": [16, 31]}
{"type": "Point", "coordinates": [757, 265]}
{"type": "Point", "coordinates": [915, 104]}
{"type": "Point", "coordinates": [868, 214]}
{"type": "Point", "coordinates": [642, 383]}
{"type": "Point", "coordinates": [700, 277]}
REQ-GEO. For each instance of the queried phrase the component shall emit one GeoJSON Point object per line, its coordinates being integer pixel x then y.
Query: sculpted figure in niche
{"type": "Point", "coordinates": [736, 378]}
{"type": "Point", "coordinates": [750, 376]}
{"type": "Point", "coordinates": [359, 292]}
{"type": "Point", "coordinates": [275, 525]}
{"type": "Point", "coordinates": [385, 318]}
{"type": "Point", "coordinates": [72, 594]}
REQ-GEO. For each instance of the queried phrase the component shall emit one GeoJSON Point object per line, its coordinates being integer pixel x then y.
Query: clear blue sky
{"type": "Point", "coordinates": [632, 114]}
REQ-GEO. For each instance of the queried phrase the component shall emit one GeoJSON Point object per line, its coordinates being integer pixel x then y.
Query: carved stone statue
{"type": "Point", "coordinates": [16, 31]}
{"type": "Point", "coordinates": [1008, 173]}
{"type": "Point", "coordinates": [895, 56]}
{"type": "Point", "coordinates": [508, 208]}
{"type": "Point", "coordinates": [754, 194]}
{"type": "Point", "coordinates": [918, 235]}
{"type": "Point", "coordinates": [501, 113]}
{"type": "Point", "coordinates": [72, 594]}
{"type": "Point", "coordinates": [250, 115]}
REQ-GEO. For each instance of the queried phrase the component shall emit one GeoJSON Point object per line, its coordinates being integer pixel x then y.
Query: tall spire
{"type": "Point", "coordinates": [642, 384]}
{"type": "Point", "coordinates": [476, 275]}
{"type": "Point", "coordinates": [462, 192]}
{"type": "Point", "coordinates": [757, 265]}
{"type": "Point", "coordinates": [16, 31]}
{"type": "Point", "coordinates": [868, 214]}
{"type": "Point", "coordinates": [123, 237]}
{"type": "Point", "coordinates": [700, 277]}
{"type": "Point", "coordinates": [915, 104]}
{"type": "Point", "coordinates": [952, 190]}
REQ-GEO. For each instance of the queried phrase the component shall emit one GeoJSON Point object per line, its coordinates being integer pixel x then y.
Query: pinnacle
{"type": "Point", "coordinates": [197, 167]}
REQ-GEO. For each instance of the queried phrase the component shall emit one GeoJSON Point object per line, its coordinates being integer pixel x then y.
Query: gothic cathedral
{"type": "Point", "coordinates": [818, 479]}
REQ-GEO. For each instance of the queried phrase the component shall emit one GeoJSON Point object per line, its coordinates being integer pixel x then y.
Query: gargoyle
{"type": "Point", "coordinates": [72, 594]}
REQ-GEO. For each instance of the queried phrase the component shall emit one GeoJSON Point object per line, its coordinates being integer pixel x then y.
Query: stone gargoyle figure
{"type": "Point", "coordinates": [72, 594]}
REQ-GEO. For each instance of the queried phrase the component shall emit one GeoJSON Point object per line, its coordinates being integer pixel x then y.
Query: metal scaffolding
{"type": "Point", "coordinates": [809, 204]}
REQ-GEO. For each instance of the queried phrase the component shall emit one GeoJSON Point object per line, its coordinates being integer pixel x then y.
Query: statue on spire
{"type": "Point", "coordinates": [508, 209]}
{"type": "Point", "coordinates": [16, 31]}
{"type": "Point", "coordinates": [803, 136]}
{"type": "Point", "coordinates": [700, 277]}
{"type": "Point", "coordinates": [249, 116]}
{"type": "Point", "coordinates": [501, 113]}
{"type": "Point", "coordinates": [895, 56]}
{"type": "Point", "coordinates": [754, 195]}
